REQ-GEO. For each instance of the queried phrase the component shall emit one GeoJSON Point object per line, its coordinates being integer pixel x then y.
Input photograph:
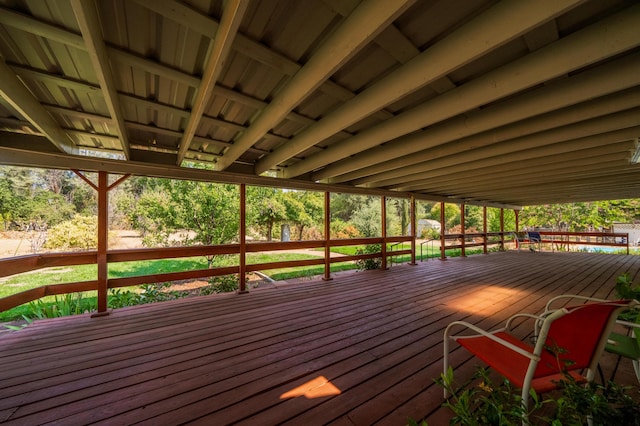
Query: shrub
{"type": "Point", "coordinates": [80, 233]}
{"type": "Point", "coordinates": [222, 284]}
{"type": "Point", "coordinates": [371, 263]}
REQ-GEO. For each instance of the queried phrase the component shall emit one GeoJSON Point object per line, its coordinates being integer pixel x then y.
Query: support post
{"type": "Point", "coordinates": [414, 230]}
{"type": "Point", "coordinates": [517, 213]}
{"type": "Point", "coordinates": [103, 224]}
{"type": "Point", "coordinates": [502, 228]}
{"type": "Point", "coordinates": [242, 270]}
{"type": "Point", "coordinates": [327, 236]}
{"type": "Point", "coordinates": [442, 232]}
{"type": "Point", "coordinates": [463, 251]}
{"type": "Point", "coordinates": [484, 229]}
{"type": "Point", "coordinates": [384, 231]}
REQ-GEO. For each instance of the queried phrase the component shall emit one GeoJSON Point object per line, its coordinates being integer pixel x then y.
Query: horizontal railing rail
{"type": "Point", "coordinates": [28, 263]}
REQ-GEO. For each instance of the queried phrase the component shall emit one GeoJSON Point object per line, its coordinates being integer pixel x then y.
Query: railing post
{"type": "Point", "coordinates": [327, 236]}
{"type": "Point", "coordinates": [103, 224]}
{"type": "Point", "coordinates": [484, 229]}
{"type": "Point", "coordinates": [517, 214]}
{"type": "Point", "coordinates": [242, 270]}
{"type": "Point", "coordinates": [442, 232]}
{"type": "Point", "coordinates": [384, 231]}
{"type": "Point", "coordinates": [414, 230]}
{"type": "Point", "coordinates": [463, 251]}
{"type": "Point", "coordinates": [502, 228]}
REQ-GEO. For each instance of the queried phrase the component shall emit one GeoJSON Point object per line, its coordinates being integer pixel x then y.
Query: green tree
{"type": "Point", "coordinates": [343, 206]}
{"type": "Point", "coordinates": [451, 215]}
{"type": "Point", "coordinates": [368, 219]}
{"type": "Point", "coordinates": [169, 212]}
{"type": "Point", "coordinates": [398, 216]}
{"type": "Point", "coordinates": [265, 208]}
{"type": "Point", "coordinates": [303, 209]}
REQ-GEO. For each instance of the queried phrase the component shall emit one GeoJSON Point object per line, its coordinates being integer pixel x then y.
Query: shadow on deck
{"type": "Point", "coordinates": [361, 349]}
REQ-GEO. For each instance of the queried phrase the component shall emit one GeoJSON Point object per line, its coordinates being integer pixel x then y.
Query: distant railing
{"type": "Point", "coordinates": [559, 240]}
{"type": "Point", "coordinates": [475, 239]}
{"type": "Point", "coordinates": [16, 265]}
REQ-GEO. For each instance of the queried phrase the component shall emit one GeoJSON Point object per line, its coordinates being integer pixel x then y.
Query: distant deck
{"type": "Point", "coordinates": [361, 349]}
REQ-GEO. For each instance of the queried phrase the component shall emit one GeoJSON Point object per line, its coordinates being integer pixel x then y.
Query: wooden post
{"type": "Point", "coordinates": [327, 236]}
{"type": "Point", "coordinates": [484, 228]}
{"type": "Point", "coordinates": [103, 225]}
{"type": "Point", "coordinates": [414, 230]}
{"type": "Point", "coordinates": [383, 215]}
{"type": "Point", "coordinates": [442, 232]}
{"type": "Point", "coordinates": [517, 213]}
{"type": "Point", "coordinates": [463, 251]}
{"type": "Point", "coordinates": [242, 270]}
{"type": "Point", "coordinates": [502, 228]}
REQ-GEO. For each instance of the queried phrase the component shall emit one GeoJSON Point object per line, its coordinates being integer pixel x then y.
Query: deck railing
{"type": "Point", "coordinates": [560, 240]}
{"type": "Point", "coordinates": [20, 264]}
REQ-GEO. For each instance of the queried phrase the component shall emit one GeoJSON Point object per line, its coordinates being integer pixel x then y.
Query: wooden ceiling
{"type": "Point", "coordinates": [510, 103]}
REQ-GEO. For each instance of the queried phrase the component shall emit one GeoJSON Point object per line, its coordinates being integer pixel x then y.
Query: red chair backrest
{"type": "Point", "coordinates": [575, 337]}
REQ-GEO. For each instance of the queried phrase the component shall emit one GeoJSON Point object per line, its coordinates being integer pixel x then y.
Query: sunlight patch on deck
{"type": "Point", "coordinates": [487, 297]}
{"type": "Point", "coordinates": [316, 388]}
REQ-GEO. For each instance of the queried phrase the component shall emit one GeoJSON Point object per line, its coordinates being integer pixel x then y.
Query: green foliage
{"type": "Point", "coordinates": [371, 263]}
{"type": "Point", "coordinates": [625, 289]}
{"type": "Point", "coordinates": [368, 218]}
{"type": "Point", "coordinates": [609, 405]}
{"type": "Point", "coordinates": [489, 403]}
{"type": "Point", "coordinates": [340, 229]}
{"type": "Point", "coordinates": [581, 216]}
{"type": "Point", "coordinates": [68, 304]}
{"type": "Point", "coordinates": [398, 216]}
{"type": "Point", "coordinates": [222, 284]}
{"type": "Point", "coordinates": [485, 404]}
{"type": "Point", "coordinates": [303, 209]}
{"type": "Point", "coordinates": [451, 215]}
{"type": "Point", "coordinates": [81, 233]}
{"type": "Point", "coordinates": [119, 298]}
{"type": "Point", "coordinates": [151, 293]}
{"type": "Point", "coordinates": [265, 209]}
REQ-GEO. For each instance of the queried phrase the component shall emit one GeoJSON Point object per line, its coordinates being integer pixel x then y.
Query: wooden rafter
{"type": "Point", "coordinates": [14, 92]}
{"type": "Point", "coordinates": [89, 23]}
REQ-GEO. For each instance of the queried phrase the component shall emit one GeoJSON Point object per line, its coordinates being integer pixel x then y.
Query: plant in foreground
{"type": "Point", "coordinates": [574, 404]}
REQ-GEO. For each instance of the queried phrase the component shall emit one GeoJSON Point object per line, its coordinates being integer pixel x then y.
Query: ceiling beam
{"type": "Point", "coordinates": [604, 39]}
{"type": "Point", "coordinates": [89, 23]}
{"type": "Point", "coordinates": [608, 165]}
{"type": "Point", "coordinates": [464, 162]}
{"type": "Point", "coordinates": [16, 94]}
{"type": "Point", "coordinates": [550, 106]}
{"type": "Point", "coordinates": [471, 41]}
{"type": "Point", "coordinates": [356, 30]}
{"type": "Point", "coordinates": [612, 178]}
{"type": "Point", "coordinates": [572, 161]}
{"type": "Point", "coordinates": [219, 49]}
{"type": "Point", "coordinates": [34, 26]}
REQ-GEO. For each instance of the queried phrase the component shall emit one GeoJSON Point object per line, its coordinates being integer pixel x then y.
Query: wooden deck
{"type": "Point", "coordinates": [361, 349]}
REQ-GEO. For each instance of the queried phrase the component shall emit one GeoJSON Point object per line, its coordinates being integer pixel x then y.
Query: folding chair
{"type": "Point", "coordinates": [624, 345]}
{"type": "Point", "coordinates": [568, 340]}
{"type": "Point", "coordinates": [534, 239]}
